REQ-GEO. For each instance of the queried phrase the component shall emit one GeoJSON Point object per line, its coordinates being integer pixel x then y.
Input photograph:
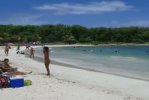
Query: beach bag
{"type": "Point", "coordinates": [27, 82]}
{"type": "Point", "coordinates": [4, 81]}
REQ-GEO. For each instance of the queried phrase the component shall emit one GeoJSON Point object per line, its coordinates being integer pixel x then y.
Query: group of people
{"type": "Point", "coordinates": [6, 67]}
{"type": "Point", "coordinates": [46, 57]}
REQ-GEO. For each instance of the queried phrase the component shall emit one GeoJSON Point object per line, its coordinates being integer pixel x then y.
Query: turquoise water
{"type": "Point", "coordinates": [128, 61]}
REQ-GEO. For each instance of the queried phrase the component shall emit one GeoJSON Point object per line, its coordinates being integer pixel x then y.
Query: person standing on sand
{"type": "Point", "coordinates": [18, 47]}
{"type": "Point", "coordinates": [32, 52]}
{"type": "Point", "coordinates": [46, 59]}
{"type": "Point", "coordinates": [7, 47]}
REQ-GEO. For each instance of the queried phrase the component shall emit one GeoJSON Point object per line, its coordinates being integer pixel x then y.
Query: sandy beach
{"type": "Point", "coordinates": [70, 83]}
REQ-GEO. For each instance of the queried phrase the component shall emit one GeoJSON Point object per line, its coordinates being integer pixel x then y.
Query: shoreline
{"type": "Point", "coordinates": [87, 69]}
{"type": "Point", "coordinates": [93, 70]}
{"type": "Point", "coordinates": [108, 44]}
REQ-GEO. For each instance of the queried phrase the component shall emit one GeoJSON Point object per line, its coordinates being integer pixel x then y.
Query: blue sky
{"type": "Point", "coordinates": [90, 13]}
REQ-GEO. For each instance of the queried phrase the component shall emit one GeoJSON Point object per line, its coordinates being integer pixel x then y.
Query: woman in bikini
{"type": "Point", "coordinates": [7, 68]}
{"type": "Point", "coordinates": [46, 59]}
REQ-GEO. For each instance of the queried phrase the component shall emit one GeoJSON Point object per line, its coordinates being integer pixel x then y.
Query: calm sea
{"type": "Point", "coordinates": [128, 61]}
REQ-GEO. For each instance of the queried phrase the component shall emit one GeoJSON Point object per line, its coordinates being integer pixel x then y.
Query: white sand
{"type": "Point", "coordinates": [70, 83]}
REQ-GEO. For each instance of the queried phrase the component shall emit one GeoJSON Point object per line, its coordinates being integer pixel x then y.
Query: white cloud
{"type": "Point", "coordinates": [90, 8]}
{"type": "Point", "coordinates": [23, 20]}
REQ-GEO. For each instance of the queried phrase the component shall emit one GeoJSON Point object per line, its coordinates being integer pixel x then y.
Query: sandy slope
{"type": "Point", "coordinates": [70, 83]}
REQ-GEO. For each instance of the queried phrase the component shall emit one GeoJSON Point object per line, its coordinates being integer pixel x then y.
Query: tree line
{"type": "Point", "coordinates": [72, 34]}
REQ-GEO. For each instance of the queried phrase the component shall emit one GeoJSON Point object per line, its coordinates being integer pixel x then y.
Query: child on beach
{"type": "Point", "coordinates": [46, 59]}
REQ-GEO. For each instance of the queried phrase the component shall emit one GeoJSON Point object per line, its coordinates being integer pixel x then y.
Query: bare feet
{"type": "Point", "coordinates": [48, 74]}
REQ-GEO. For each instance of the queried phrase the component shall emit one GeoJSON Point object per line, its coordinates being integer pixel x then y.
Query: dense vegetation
{"type": "Point", "coordinates": [72, 34]}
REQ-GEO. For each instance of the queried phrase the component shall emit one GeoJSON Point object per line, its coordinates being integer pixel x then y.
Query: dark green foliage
{"type": "Point", "coordinates": [72, 34]}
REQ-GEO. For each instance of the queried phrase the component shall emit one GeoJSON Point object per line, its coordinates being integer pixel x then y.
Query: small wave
{"type": "Point", "coordinates": [125, 58]}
